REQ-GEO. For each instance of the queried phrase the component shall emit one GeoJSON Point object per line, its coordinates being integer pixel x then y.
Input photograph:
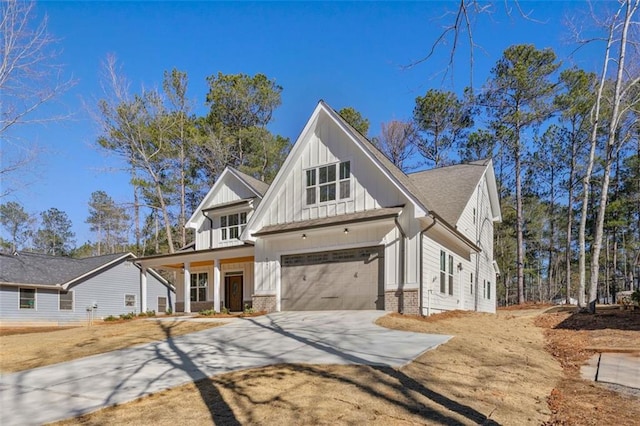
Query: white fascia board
{"type": "Point", "coordinates": [493, 192]}
{"type": "Point", "coordinates": [99, 268]}
{"type": "Point", "coordinates": [191, 222]}
{"type": "Point", "coordinates": [280, 176]}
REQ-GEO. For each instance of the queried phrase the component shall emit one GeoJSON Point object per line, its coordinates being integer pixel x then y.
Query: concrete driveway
{"type": "Point", "coordinates": [69, 389]}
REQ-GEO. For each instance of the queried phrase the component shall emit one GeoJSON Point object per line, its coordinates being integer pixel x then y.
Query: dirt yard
{"type": "Point", "coordinates": [25, 348]}
{"type": "Point", "coordinates": [515, 367]}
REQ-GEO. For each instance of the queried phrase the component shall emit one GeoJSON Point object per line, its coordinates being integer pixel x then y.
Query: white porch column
{"type": "Point", "coordinates": [143, 290]}
{"type": "Point", "coordinates": [187, 287]}
{"type": "Point", "coordinates": [216, 285]}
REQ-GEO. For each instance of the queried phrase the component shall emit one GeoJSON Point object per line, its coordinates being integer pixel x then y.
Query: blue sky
{"type": "Point", "coordinates": [349, 54]}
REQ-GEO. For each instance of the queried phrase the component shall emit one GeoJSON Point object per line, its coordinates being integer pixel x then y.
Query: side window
{"type": "Point", "coordinates": [345, 179]}
{"type": "Point", "coordinates": [129, 300]}
{"type": "Point", "coordinates": [443, 271]}
{"type": "Point", "coordinates": [311, 186]}
{"type": "Point", "coordinates": [450, 275]}
{"type": "Point", "coordinates": [27, 298]}
{"type": "Point", "coordinates": [66, 301]}
{"type": "Point", "coordinates": [471, 283]}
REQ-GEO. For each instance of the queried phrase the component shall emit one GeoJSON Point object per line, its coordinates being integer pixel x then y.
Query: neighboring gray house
{"type": "Point", "coordinates": [37, 288]}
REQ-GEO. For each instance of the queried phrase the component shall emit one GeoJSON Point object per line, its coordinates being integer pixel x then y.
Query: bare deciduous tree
{"type": "Point", "coordinates": [30, 76]}
{"type": "Point", "coordinates": [396, 141]}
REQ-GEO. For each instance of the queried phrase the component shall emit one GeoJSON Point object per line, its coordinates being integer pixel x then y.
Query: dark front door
{"type": "Point", "coordinates": [233, 292]}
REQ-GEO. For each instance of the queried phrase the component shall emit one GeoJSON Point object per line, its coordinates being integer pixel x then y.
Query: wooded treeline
{"type": "Point", "coordinates": [565, 144]}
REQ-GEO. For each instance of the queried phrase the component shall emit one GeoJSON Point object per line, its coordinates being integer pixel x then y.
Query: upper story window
{"type": "Point", "coordinates": [325, 183]}
{"type": "Point", "coordinates": [232, 225]}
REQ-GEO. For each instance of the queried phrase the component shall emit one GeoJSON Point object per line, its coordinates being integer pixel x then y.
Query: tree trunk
{"type": "Point", "coordinates": [611, 150]}
{"type": "Point", "coordinates": [519, 221]}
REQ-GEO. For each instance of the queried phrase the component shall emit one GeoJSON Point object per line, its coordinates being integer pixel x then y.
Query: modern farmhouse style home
{"type": "Point", "coordinates": [341, 227]}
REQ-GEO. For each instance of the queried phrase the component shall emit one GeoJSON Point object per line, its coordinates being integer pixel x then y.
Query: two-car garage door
{"type": "Point", "coordinates": [341, 279]}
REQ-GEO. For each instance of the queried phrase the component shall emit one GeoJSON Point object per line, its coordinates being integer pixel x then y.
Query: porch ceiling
{"type": "Point", "coordinates": [196, 258]}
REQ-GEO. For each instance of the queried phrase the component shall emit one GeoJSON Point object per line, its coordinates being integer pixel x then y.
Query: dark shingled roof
{"type": "Point", "coordinates": [445, 190]}
{"type": "Point", "coordinates": [257, 185]}
{"type": "Point", "coordinates": [402, 178]}
{"type": "Point", "coordinates": [41, 269]}
{"type": "Point", "coordinates": [448, 189]}
{"type": "Point", "coordinates": [344, 219]}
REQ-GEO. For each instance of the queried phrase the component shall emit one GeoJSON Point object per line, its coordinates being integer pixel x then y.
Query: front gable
{"type": "Point", "coordinates": [328, 173]}
{"type": "Point", "coordinates": [230, 195]}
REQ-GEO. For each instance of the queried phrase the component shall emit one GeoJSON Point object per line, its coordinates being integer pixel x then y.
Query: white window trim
{"type": "Point", "coordinates": [166, 303]}
{"type": "Point", "coordinates": [206, 286]}
{"type": "Point", "coordinates": [318, 184]}
{"type": "Point", "coordinates": [35, 299]}
{"type": "Point", "coordinates": [73, 301]}
{"type": "Point", "coordinates": [135, 300]}
{"type": "Point", "coordinates": [241, 226]}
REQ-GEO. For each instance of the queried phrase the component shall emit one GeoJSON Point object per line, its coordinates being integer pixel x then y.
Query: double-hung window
{"type": "Point", "coordinates": [27, 298]}
{"type": "Point", "coordinates": [129, 300]}
{"type": "Point", "coordinates": [446, 273]}
{"type": "Point", "coordinates": [231, 226]}
{"type": "Point", "coordinates": [199, 281]}
{"type": "Point", "coordinates": [327, 183]}
{"type": "Point", "coordinates": [66, 301]}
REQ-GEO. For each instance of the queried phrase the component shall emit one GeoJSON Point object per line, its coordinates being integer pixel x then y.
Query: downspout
{"type": "Point", "coordinates": [403, 267]}
{"type": "Point", "coordinates": [422, 270]}
{"type": "Point", "coordinates": [210, 228]}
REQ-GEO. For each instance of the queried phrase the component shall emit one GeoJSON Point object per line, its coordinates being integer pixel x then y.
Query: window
{"type": "Point", "coordinates": [231, 226]}
{"type": "Point", "coordinates": [484, 287]}
{"type": "Point", "coordinates": [311, 186]}
{"type": "Point", "coordinates": [474, 215]}
{"type": "Point", "coordinates": [129, 300]}
{"type": "Point", "coordinates": [345, 180]}
{"type": "Point", "coordinates": [488, 290]}
{"type": "Point", "coordinates": [324, 183]}
{"type": "Point", "coordinates": [27, 298]}
{"type": "Point", "coordinates": [443, 271]}
{"type": "Point", "coordinates": [471, 283]}
{"type": "Point", "coordinates": [66, 301]}
{"type": "Point", "coordinates": [451, 275]}
{"type": "Point", "coordinates": [199, 282]}
{"type": "Point", "coordinates": [446, 277]}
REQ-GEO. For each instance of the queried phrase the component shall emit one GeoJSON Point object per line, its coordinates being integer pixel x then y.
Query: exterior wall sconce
{"type": "Point", "coordinates": [346, 231]}
{"type": "Point", "coordinates": [304, 236]}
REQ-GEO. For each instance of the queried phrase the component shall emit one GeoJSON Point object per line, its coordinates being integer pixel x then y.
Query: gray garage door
{"type": "Point", "coordinates": [342, 279]}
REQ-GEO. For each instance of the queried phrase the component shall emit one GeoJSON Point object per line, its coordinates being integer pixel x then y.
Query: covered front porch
{"type": "Point", "coordinates": [221, 278]}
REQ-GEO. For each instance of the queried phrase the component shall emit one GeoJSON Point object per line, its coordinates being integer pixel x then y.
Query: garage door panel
{"type": "Point", "coordinates": [344, 279]}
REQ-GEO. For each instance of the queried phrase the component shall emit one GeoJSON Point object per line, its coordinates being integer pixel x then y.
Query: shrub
{"type": "Point", "coordinates": [248, 309]}
{"type": "Point", "coordinates": [169, 311]}
{"type": "Point", "coordinates": [207, 312]}
{"type": "Point", "coordinates": [110, 318]}
{"type": "Point", "coordinates": [130, 315]}
{"type": "Point", "coordinates": [225, 310]}
{"type": "Point", "coordinates": [635, 296]}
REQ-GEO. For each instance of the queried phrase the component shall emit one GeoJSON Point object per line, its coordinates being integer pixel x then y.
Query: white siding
{"type": "Point", "coordinates": [480, 265]}
{"type": "Point", "coordinates": [370, 188]}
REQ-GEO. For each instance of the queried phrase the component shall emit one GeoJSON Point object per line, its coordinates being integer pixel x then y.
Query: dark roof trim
{"type": "Point", "coordinates": [176, 254]}
{"type": "Point", "coordinates": [367, 216]}
{"type": "Point", "coordinates": [229, 205]}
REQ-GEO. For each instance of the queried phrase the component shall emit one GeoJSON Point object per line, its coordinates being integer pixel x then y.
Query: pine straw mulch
{"type": "Point", "coordinates": [570, 338]}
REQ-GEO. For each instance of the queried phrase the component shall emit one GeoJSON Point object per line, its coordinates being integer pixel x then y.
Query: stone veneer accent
{"type": "Point", "coordinates": [406, 302]}
{"type": "Point", "coordinates": [264, 302]}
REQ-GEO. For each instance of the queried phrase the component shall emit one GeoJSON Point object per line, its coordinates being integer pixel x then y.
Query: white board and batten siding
{"type": "Point", "coordinates": [370, 189]}
{"type": "Point", "coordinates": [227, 191]}
{"type": "Point", "coordinates": [106, 289]}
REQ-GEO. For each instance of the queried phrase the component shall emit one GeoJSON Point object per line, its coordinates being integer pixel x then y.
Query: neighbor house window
{"type": "Point", "coordinates": [231, 226]}
{"type": "Point", "coordinates": [325, 183]}
{"type": "Point", "coordinates": [66, 301]}
{"type": "Point", "coordinates": [27, 298]}
{"type": "Point", "coordinates": [129, 300]}
{"type": "Point", "coordinates": [199, 282]}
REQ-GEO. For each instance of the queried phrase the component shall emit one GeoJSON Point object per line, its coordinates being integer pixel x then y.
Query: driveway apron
{"type": "Point", "coordinates": [76, 387]}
